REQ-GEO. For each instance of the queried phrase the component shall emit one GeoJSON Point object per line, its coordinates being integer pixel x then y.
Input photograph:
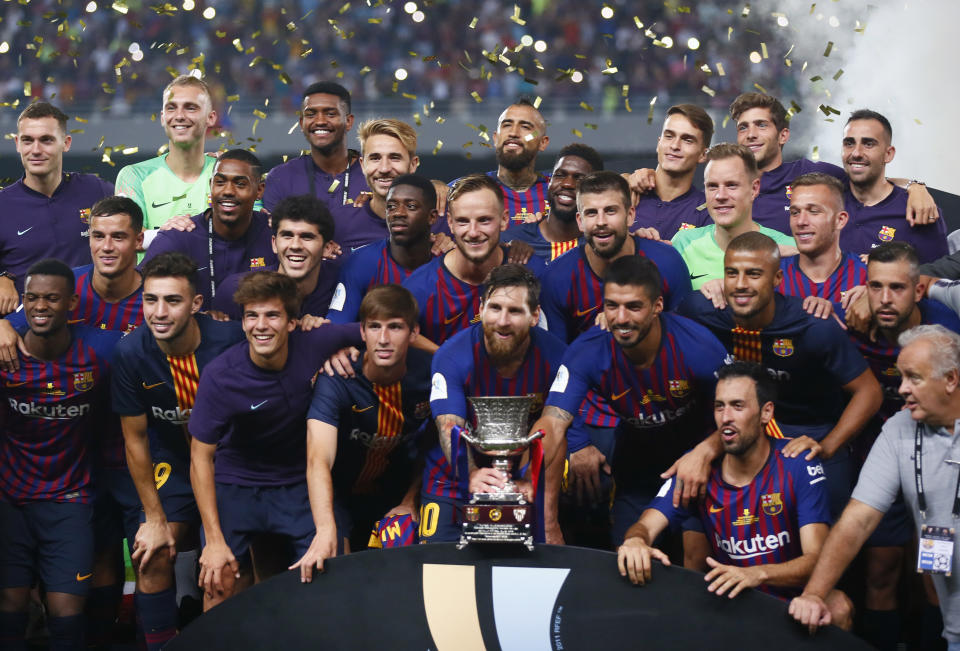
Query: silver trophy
{"type": "Point", "coordinates": [503, 516]}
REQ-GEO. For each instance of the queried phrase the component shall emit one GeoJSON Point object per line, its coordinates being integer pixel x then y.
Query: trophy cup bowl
{"type": "Point", "coordinates": [501, 432]}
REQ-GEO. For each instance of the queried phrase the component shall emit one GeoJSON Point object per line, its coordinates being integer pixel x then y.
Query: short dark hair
{"type": "Point", "coordinates": [172, 264]}
{"type": "Point", "coordinates": [304, 208]}
{"type": "Point", "coordinates": [421, 182]}
{"type": "Point", "coordinates": [266, 286]}
{"type": "Point", "coordinates": [53, 267]}
{"type": "Point", "coordinates": [895, 252]}
{"type": "Point", "coordinates": [604, 181]}
{"type": "Point", "coordinates": [586, 152]}
{"type": "Point", "coordinates": [389, 301]}
{"type": "Point", "coordinates": [747, 101]}
{"type": "Point", "coordinates": [329, 88]}
{"type": "Point", "coordinates": [698, 118]}
{"type": "Point", "coordinates": [754, 241]}
{"type": "Point", "coordinates": [513, 275]}
{"type": "Point", "coordinates": [635, 271]}
{"type": "Point", "coordinates": [119, 205]}
{"type": "Point", "coordinates": [868, 114]}
{"type": "Point", "coordinates": [474, 183]}
{"type": "Point", "coordinates": [765, 386]}
{"type": "Point", "coordinates": [819, 178]}
{"type": "Point", "coordinates": [247, 157]}
{"type": "Point", "coordinates": [724, 150]}
{"type": "Point", "coordinates": [39, 110]}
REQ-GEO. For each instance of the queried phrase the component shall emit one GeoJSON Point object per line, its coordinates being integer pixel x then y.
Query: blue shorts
{"type": "Point", "coordinates": [116, 507]}
{"type": "Point", "coordinates": [172, 477]}
{"type": "Point", "coordinates": [52, 541]}
{"type": "Point", "coordinates": [439, 519]}
{"type": "Point", "coordinates": [895, 528]}
{"type": "Point", "coordinates": [246, 511]}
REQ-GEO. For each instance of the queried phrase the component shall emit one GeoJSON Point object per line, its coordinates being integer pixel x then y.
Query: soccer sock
{"type": "Point", "coordinates": [931, 628]}
{"type": "Point", "coordinates": [158, 617]}
{"type": "Point", "coordinates": [881, 628]}
{"type": "Point", "coordinates": [13, 628]}
{"type": "Point", "coordinates": [66, 633]}
{"type": "Point", "coordinates": [101, 611]}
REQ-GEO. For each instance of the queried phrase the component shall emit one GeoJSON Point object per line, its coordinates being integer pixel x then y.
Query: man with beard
{"type": "Point", "coordinates": [503, 355]}
{"type": "Point", "coordinates": [57, 405]}
{"type": "Point", "coordinates": [154, 385]}
{"type": "Point", "coordinates": [572, 285]}
{"type": "Point", "coordinates": [765, 513]}
{"type": "Point", "coordinates": [230, 236]}
{"type": "Point", "coordinates": [411, 212]}
{"type": "Point", "coordinates": [669, 202]}
{"type": "Point", "coordinates": [763, 127]}
{"type": "Point", "coordinates": [877, 207]}
{"type": "Point", "coordinates": [177, 183]}
{"type": "Point", "coordinates": [813, 360]}
{"type": "Point", "coordinates": [448, 288]}
{"type": "Point", "coordinates": [302, 230]}
{"type": "Point", "coordinates": [330, 172]}
{"type": "Point", "coordinates": [731, 181]}
{"type": "Point", "coordinates": [558, 232]}
{"type": "Point", "coordinates": [655, 371]}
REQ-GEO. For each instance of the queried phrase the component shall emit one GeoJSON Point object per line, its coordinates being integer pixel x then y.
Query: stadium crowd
{"type": "Point", "coordinates": [236, 370]}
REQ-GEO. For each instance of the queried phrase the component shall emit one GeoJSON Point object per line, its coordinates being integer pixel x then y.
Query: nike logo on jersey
{"type": "Point", "coordinates": [617, 396]}
{"type": "Point", "coordinates": [587, 311]}
{"type": "Point", "coordinates": [692, 277]}
{"type": "Point", "coordinates": [715, 509]}
{"type": "Point", "coordinates": [84, 577]}
{"type": "Point", "coordinates": [151, 386]}
{"type": "Point", "coordinates": [361, 410]}
{"type": "Point", "coordinates": [453, 318]}
{"type": "Point", "coordinates": [15, 384]}
{"type": "Point", "coordinates": [258, 405]}
{"type": "Point", "coordinates": [24, 231]}
{"type": "Point", "coordinates": [154, 204]}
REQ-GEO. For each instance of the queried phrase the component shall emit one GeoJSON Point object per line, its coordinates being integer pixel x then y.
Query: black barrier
{"type": "Point", "coordinates": [496, 597]}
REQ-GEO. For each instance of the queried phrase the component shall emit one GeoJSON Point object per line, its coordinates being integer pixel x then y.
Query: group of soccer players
{"type": "Point", "coordinates": [240, 371]}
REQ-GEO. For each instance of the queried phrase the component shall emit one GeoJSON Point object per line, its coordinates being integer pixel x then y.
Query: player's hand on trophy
{"type": "Point", "coordinates": [585, 466]}
{"type": "Point", "coordinates": [486, 480]}
{"type": "Point", "coordinates": [730, 577]}
{"type": "Point", "coordinates": [322, 547]}
{"type": "Point", "coordinates": [810, 611]}
{"type": "Point", "coordinates": [215, 559]}
{"type": "Point", "coordinates": [635, 560]}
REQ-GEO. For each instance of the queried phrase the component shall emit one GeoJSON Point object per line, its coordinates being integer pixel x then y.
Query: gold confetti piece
{"type": "Point", "coordinates": [826, 52]}
{"type": "Point", "coordinates": [441, 120]}
{"type": "Point", "coordinates": [586, 107]}
{"type": "Point", "coordinates": [803, 67]}
{"type": "Point", "coordinates": [438, 146]}
{"type": "Point", "coordinates": [253, 129]}
{"type": "Point", "coordinates": [120, 7]}
{"type": "Point", "coordinates": [81, 120]}
{"type": "Point", "coordinates": [590, 125]}
{"type": "Point", "coordinates": [408, 96]}
{"type": "Point", "coordinates": [918, 121]}
{"type": "Point", "coordinates": [27, 87]}
{"type": "Point", "coordinates": [107, 88]}
{"type": "Point", "coordinates": [729, 33]}
{"type": "Point", "coordinates": [293, 128]}
{"type": "Point", "coordinates": [536, 102]}
{"type": "Point", "coordinates": [333, 186]}
{"type": "Point", "coordinates": [795, 107]}
{"type": "Point", "coordinates": [238, 45]}
{"type": "Point", "coordinates": [374, 21]}
{"type": "Point", "coordinates": [291, 26]}
{"type": "Point", "coordinates": [260, 114]}
{"type": "Point", "coordinates": [746, 11]}
{"type": "Point", "coordinates": [726, 121]}
{"type": "Point", "coordinates": [580, 56]}
{"type": "Point", "coordinates": [827, 110]}
{"type": "Point", "coordinates": [650, 112]}
{"type": "Point", "coordinates": [838, 75]}
{"type": "Point", "coordinates": [77, 130]}
{"type": "Point", "coordinates": [577, 133]}
{"type": "Point", "coordinates": [720, 70]}
{"type": "Point", "coordinates": [625, 90]}
{"type": "Point", "coordinates": [636, 21]}
{"type": "Point", "coordinates": [626, 105]}
{"type": "Point", "coordinates": [760, 88]}
{"type": "Point", "coordinates": [285, 78]}
{"type": "Point", "coordinates": [683, 10]}
{"type": "Point", "coordinates": [233, 98]}
{"type": "Point", "coordinates": [220, 33]}
{"type": "Point", "coordinates": [473, 23]}
{"type": "Point", "coordinates": [364, 70]}
{"type": "Point", "coordinates": [609, 71]}
{"type": "Point", "coordinates": [416, 119]}
{"type": "Point", "coordinates": [816, 78]}
{"type": "Point", "coordinates": [516, 16]}
{"type": "Point", "coordinates": [709, 91]}
{"type": "Point", "coordinates": [130, 150]}
{"type": "Point", "coordinates": [815, 153]}
{"type": "Point", "coordinates": [763, 50]}
{"type": "Point", "coordinates": [476, 96]}
{"type": "Point", "coordinates": [345, 8]}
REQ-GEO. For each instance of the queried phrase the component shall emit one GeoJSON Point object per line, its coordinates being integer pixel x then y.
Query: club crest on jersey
{"type": "Point", "coordinates": [85, 216]}
{"type": "Point", "coordinates": [891, 371]}
{"type": "Point", "coordinates": [783, 347]}
{"type": "Point", "coordinates": [746, 519]}
{"type": "Point", "coordinates": [789, 191]}
{"type": "Point", "coordinates": [772, 503]}
{"type": "Point", "coordinates": [886, 233]}
{"type": "Point", "coordinates": [257, 263]}
{"type": "Point", "coordinates": [83, 381]}
{"type": "Point", "coordinates": [679, 388]}
{"type": "Point", "coordinates": [685, 226]}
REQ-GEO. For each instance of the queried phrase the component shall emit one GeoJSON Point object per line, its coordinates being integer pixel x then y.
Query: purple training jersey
{"type": "Point", "coordinates": [54, 412]}
{"type": "Point", "coordinates": [848, 274]}
{"type": "Point", "coordinates": [758, 524]}
{"type": "Point", "coordinates": [771, 208]}
{"type": "Point", "coordinates": [689, 210]}
{"type": "Point", "coordinates": [315, 303]}
{"type": "Point", "coordinates": [886, 221]}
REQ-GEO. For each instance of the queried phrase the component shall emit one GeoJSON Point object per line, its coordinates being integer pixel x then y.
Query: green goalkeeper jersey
{"type": "Point", "coordinates": [161, 194]}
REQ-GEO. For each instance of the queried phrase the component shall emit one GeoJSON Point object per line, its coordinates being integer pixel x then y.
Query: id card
{"type": "Point", "coordinates": [935, 555]}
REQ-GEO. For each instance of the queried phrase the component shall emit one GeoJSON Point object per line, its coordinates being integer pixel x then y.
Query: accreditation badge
{"type": "Point", "coordinates": [935, 555]}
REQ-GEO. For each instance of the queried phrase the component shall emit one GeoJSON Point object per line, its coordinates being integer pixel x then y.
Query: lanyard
{"type": "Point", "coordinates": [213, 277]}
{"type": "Point", "coordinates": [918, 474]}
{"type": "Point", "coordinates": [313, 183]}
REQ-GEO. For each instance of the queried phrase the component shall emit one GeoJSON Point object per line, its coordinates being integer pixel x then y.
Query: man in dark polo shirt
{"type": "Point", "coordinates": [46, 212]}
{"type": "Point", "coordinates": [230, 236]}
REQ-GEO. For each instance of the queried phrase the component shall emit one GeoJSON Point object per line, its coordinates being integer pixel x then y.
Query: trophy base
{"type": "Point", "coordinates": [497, 518]}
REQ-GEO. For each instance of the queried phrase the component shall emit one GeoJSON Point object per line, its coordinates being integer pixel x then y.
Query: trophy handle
{"type": "Point", "coordinates": [533, 437]}
{"type": "Point", "coordinates": [465, 435]}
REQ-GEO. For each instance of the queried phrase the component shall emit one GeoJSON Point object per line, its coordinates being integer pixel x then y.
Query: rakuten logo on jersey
{"type": "Point", "coordinates": [176, 416]}
{"type": "Point", "coordinates": [756, 546]}
{"type": "Point", "coordinates": [50, 411]}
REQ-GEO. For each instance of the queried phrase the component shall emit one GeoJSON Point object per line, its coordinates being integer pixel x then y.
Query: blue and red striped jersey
{"type": "Point", "coordinates": [461, 368]}
{"type": "Point", "coordinates": [848, 274]}
{"type": "Point", "coordinates": [530, 233]}
{"type": "Point", "coordinates": [448, 304]}
{"type": "Point", "coordinates": [54, 411]}
{"type": "Point", "coordinates": [521, 206]}
{"type": "Point", "coordinates": [572, 293]}
{"type": "Point", "coordinates": [668, 406]}
{"type": "Point", "coordinates": [365, 268]}
{"type": "Point", "coordinates": [758, 524]}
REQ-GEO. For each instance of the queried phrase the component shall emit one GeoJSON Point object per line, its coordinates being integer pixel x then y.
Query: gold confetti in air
{"type": "Point", "coordinates": [827, 110]}
{"type": "Point", "coordinates": [120, 7]}
{"type": "Point", "coordinates": [709, 91]}
{"type": "Point", "coordinates": [650, 112]}
{"type": "Point", "coordinates": [760, 88]}
{"type": "Point", "coordinates": [815, 154]}
{"type": "Point", "coordinates": [577, 133]}
{"type": "Point", "coordinates": [826, 52]}
{"type": "Point", "coordinates": [838, 75]}
{"type": "Point", "coordinates": [473, 23]}
{"type": "Point", "coordinates": [720, 70]}
{"type": "Point", "coordinates": [763, 50]}
{"type": "Point", "coordinates": [27, 88]}
{"type": "Point", "coordinates": [536, 102]}
{"type": "Point", "coordinates": [516, 16]}
{"type": "Point", "coordinates": [129, 150]}
{"type": "Point", "coordinates": [437, 147]}
{"type": "Point", "coordinates": [476, 96]}
{"type": "Point", "coordinates": [333, 186]}
{"type": "Point", "coordinates": [586, 107]}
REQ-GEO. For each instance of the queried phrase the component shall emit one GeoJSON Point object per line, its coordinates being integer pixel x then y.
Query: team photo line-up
{"type": "Point", "coordinates": [239, 372]}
